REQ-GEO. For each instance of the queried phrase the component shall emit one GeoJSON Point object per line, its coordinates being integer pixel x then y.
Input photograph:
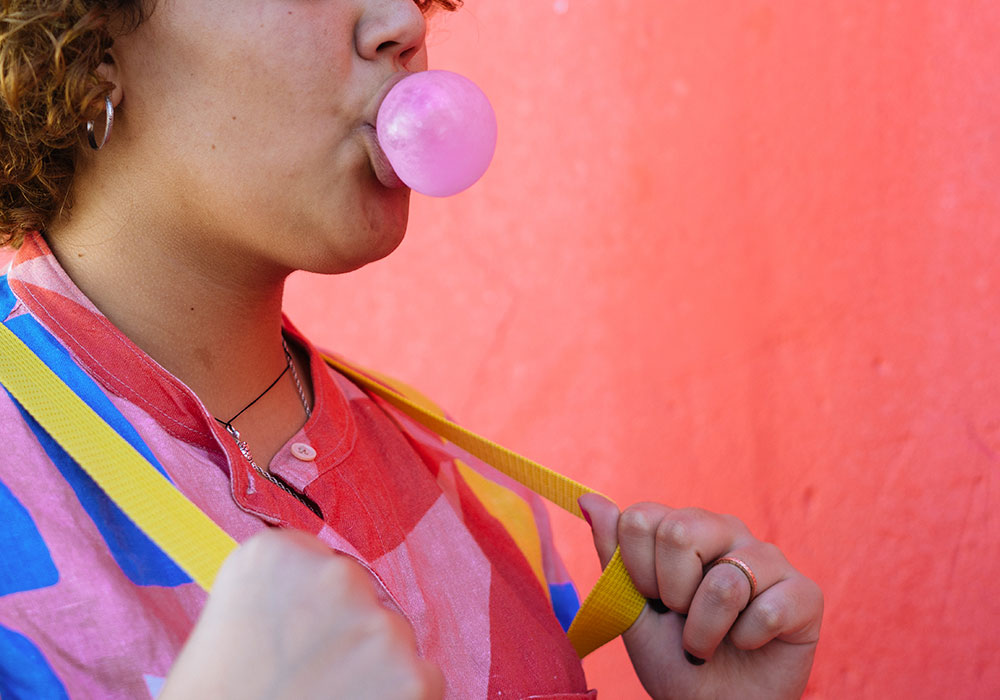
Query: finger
{"type": "Point", "coordinates": [637, 528]}
{"type": "Point", "coordinates": [725, 591]}
{"type": "Point", "coordinates": [688, 540]}
{"type": "Point", "coordinates": [274, 548]}
{"type": "Point", "coordinates": [602, 515]}
{"type": "Point", "coordinates": [303, 541]}
{"type": "Point", "coordinates": [790, 611]}
{"type": "Point", "coordinates": [267, 551]}
{"type": "Point", "coordinates": [433, 681]}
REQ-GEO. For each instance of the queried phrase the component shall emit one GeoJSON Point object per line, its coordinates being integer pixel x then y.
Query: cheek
{"type": "Point", "coordinates": [274, 77]}
{"type": "Point", "coordinates": [254, 131]}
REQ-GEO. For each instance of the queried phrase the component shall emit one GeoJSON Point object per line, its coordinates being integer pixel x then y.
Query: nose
{"type": "Point", "coordinates": [391, 30]}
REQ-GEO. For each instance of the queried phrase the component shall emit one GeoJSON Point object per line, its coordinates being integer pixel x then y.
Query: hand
{"type": "Point", "coordinates": [760, 648]}
{"type": "Point", "coordinates": [289, 619]}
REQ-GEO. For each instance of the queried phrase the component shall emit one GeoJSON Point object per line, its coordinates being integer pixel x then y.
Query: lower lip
{"type": "Point", "coordinates": [380, 164]}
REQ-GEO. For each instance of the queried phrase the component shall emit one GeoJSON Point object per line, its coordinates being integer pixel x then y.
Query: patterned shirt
{"type": "Point", "coordinates": [91, 608]}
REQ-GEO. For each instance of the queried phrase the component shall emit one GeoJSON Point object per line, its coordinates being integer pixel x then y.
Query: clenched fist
{"type": "Point", "coordinates": [289, 619]}
{"type": "Point", "coordinates": [729, 616]}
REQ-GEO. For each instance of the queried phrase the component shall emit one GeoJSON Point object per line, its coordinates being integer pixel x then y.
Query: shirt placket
{"type": "Point", "coordinates": [257, 495]}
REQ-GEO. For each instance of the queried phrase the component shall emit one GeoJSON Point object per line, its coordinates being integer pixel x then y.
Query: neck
{"type": "Point", "coordinates": [207, 315]}
{"type": "Point", "coordinates": [199, 292]}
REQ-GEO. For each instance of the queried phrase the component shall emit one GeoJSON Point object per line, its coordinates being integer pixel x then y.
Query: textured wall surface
{"type": "Point", "coordinates": [741, 255]}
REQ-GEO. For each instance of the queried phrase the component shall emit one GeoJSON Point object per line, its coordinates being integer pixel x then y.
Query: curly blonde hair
{"type": "Point", "coordinates": [49, 88]}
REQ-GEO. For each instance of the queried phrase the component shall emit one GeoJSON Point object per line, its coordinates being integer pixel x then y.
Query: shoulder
{"type": "Point", "coordinates": [367, 378]}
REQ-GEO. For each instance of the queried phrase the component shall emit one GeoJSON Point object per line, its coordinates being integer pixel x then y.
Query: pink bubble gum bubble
{"type": "Point", "coordinates": [438, 131]}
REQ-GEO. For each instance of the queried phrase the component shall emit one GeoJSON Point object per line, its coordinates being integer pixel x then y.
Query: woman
{"type": "Point", "coordinates": [150, 272]}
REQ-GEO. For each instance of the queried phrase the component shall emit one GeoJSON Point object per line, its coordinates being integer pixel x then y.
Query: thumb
{"type": "Point", "coordinates": [602, 515]}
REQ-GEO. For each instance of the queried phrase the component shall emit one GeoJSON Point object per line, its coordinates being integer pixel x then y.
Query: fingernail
{"type": "Point", "coordinates": [692, 659]}
{"type": "Point", "coordinates": [586, 515]}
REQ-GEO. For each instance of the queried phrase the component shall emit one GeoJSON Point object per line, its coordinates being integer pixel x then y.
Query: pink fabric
{"type": "Point", "coordinates": [390, 491]}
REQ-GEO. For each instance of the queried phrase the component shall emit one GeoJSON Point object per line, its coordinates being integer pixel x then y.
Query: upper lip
{"type": "Point", "coordinates": [383, 90]}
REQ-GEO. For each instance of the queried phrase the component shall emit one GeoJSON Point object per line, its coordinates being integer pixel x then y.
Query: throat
{"type": "Point", "coordinates": [271, 421]}
{"type": "Point", "coordinates": [272, 418]}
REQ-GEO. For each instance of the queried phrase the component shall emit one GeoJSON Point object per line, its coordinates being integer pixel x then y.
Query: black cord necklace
{"type": "Point", "coordinates": [244, 448]}
{"type": "Point", "coordinates": [228, 424]}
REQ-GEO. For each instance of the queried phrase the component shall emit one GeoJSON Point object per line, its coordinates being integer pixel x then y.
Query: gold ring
{"type": "Point", "coordinates": [751, 579]}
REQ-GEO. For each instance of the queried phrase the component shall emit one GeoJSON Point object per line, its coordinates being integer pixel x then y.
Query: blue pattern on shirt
{"type": "Point", "coordinates": [140, 559]}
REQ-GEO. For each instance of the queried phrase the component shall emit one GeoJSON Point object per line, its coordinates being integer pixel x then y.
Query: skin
{"type": "Point", "coordinates": [238, 155]}
{"type": "Point", "coordinates": [749, 648]}
{"type": "Point", "coordinates": [349, 647]}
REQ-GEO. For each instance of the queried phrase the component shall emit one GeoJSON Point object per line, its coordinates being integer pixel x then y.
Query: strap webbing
{"type": "Point", "coordinates": [199, 546]}
{"type": "Point", "coordinates": [174, 523]}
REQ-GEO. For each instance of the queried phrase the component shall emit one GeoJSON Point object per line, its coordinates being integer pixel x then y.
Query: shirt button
{"type": "Point", "coordinates": [302, 451]}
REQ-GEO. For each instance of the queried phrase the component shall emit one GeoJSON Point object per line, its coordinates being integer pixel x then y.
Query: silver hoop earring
{"type": "Point", "coordinates": [109, 120]}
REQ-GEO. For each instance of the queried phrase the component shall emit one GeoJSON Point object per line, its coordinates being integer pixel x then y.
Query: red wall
{"type": "Point", "coordinates": [742, 255]}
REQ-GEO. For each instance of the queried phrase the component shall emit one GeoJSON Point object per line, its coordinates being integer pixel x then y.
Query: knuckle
{"type": "Point", "coordinates": [770, 617]}
{"type": "Point", "coordinates": [344, 578]}
{"type": "Point", "coordinates": [675, 532]}
{"type": "Point", "coordinates": [735, 525]}
{"type": "Point", "coordinates": [817, 595]}
{"type": "Point", "coordinates": [725, 589]}
{"type": "Point", "coordinates": [256, 553]}
{"type": "Point", "coordinates": [334, 572]}
{"type": "Point", "coordinates": [279, 548]}
{"type": "Point", "coordinates": [771, 552]}
{"type": "Point", "coordinates": [812, 595]}
{"type": "Point", "coordinates": [634, 522]}
{"type": "Point", "coordinates": [258, 547]}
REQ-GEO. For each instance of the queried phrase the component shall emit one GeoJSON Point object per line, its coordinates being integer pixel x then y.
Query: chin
{"type": "Point", "coordinates": [388, 242]}
{"type": "Point", "coordinates": [379, 230]}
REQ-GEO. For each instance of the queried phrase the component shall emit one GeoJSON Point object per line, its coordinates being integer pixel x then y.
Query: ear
{"type": "Point", "coordinates": [108, 70]}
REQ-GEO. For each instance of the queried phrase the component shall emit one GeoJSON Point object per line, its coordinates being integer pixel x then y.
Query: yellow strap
{"type": "Point", "coordinates": [174, 523]}
{"type": "Point", "coordinates": [199, 546]}
{"type": "Point", "coordinates": [614, 603]}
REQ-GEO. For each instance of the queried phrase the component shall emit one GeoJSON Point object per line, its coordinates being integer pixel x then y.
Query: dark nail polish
{"type": "Point", "coordinates": [658, 605]}
{"type": "Point", "coordinates": [692, 659]}
{"type": "Point", "coordinates": [586, 515]}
